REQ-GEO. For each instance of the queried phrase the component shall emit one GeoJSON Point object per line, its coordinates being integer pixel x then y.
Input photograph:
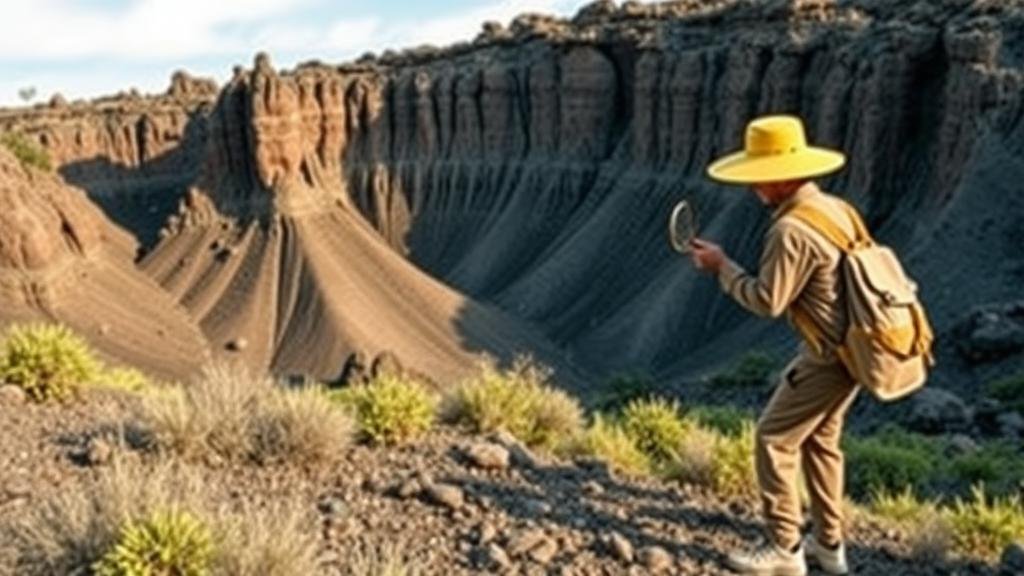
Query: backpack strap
{"type": "Point", "coordinates": [827, 227]}
{"type": "Point", "coordinates": [824, 225]}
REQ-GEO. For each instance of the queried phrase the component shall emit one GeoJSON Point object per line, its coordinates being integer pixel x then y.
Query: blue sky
{"type": "Point", "coordinates": [87, 48]}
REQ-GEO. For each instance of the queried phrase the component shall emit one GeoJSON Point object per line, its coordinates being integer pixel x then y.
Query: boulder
{"type": "Point", "coordinates": [991, 333]}
{"type": "Point", "coordinates": [1012, 561]}
{"type": "Point", "coordinates": [935, 411]}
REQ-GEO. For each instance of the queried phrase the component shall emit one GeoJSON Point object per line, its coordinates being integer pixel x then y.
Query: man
{"type": "Point", "coordinates": [798, 275]}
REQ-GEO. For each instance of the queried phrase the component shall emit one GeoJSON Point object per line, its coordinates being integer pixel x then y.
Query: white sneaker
{"type": "Point", "coordinates": [769, 560]}
{"type": "Point", "coordinates": [831, 561]}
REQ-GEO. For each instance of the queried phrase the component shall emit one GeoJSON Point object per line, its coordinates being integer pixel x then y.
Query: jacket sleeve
{"type": "Point", "coordinates": [786, 265]}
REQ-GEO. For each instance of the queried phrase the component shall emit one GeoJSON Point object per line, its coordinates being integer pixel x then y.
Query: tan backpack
{"type": "Point", "coordinates": [887, 347]}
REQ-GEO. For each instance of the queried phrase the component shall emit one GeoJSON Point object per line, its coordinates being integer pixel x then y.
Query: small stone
{"type": "Point", "coordinates": [656, 559]}
{"type": "Point", "coordinates": [12, 395]}
{"type": "Point", "coordinates": [593, 488]}
{"type": "Point", "coordinates": [17, 488]}
{"type": "Point", "coordinates": [536, 508]}
{"type": "Point", "coordinates": [446, 495]}
{"type": "Point", "coordinates": [962, 444]}
{"type": "Point", "coordinates": [519, 454]}
{"type": "Point", "coordinates": [488, 456]}
{"type": "Point", "coordinates": [1011, 425]}
{"type": "Point", "coordinates": [544, 552]}
{"type": "Point", "coordinates": [1012, 560]}
{"type": "Point", "coordinates": [238, 345]}
{"type": "Point", "coordinates": [98, 452]}
{"type": "Point", "coordinates": [331, 506]}
{"type": "Point", "coordinates": [408, 489]}
{"type": "Point", "coordinates": [524, 541]}
{"type": "Point", "coordinates": [621, 547]}
{"type": "Point", "coordinates": [495, 558]}
{"type": "Point", "coordinates": [486, 533]}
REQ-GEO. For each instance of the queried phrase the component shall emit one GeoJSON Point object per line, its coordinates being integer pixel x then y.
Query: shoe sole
{"type": "Point", "coordinates": [813, 561]}
{"type": "Point", "coordinates": [773, 572]}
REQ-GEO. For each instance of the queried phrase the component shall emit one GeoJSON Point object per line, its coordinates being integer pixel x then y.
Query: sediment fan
{"type": "Point", "coordinates": [682, 227]}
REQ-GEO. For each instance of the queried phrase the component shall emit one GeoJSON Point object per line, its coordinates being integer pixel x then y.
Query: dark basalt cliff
{"type": "Point", "coordinates": [532, 169]}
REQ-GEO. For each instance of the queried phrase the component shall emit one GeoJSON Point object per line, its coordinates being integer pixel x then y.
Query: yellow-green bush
{"type": "Point", "coordinates": [48, 361]}
{"type": "Point", "coordinates": [656, 426]}
{"type": "Point", "coordinates": [390, 409]}
{"type": "Point", "coordinates": [609, 442]}
{"type": "Point", "coordinates": [902, 507]}
{"type": "Point", "coordinates": [169, 542]}
{"type": "Point", "coordinates": [26, 151]}
{"type": "Point", "coordinates": [983, 527]}
{"type": "Point", "coordinates": [124, 379]}
{"type": "Point", "coordinates": [519, 401]}
{"type": "Point", "coordinates": [733, 472]}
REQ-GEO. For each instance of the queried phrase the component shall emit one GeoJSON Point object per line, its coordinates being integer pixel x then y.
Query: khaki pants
{"type": "Point", "coordinates": [802, 424]}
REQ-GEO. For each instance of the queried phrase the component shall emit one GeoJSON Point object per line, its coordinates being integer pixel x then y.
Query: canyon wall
{"type": "Point", "coordinates": [532, 169]}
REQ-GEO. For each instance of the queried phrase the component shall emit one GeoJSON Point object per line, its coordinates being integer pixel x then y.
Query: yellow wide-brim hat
{"type": "Point", "coordinates": [776, 151]}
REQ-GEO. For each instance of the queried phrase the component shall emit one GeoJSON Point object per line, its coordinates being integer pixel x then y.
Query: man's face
{"type": "Point", "coordinates": [773, 193]}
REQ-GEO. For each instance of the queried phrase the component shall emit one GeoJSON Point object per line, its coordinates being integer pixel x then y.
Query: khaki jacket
{"type": "Point", "coordinates": [798, 268]}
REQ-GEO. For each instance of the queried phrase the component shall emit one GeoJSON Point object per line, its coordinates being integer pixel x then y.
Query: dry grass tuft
{"type": "Point", "coordinates": [521, 401]}
{"type": "Point", "coordinates": [229, 415]}
{"type": "Point", "coordinates": [370, 559]}
{"type": "Point", "coordinates": [73, 531]}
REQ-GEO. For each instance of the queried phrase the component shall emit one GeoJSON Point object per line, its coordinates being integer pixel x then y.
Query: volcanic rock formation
{"type": "Point", "coordinates": [532, 169]}
{"type": "Point", "coordinates": [62, 260]}
{"type": "Point", "coordinates": [267, 247]}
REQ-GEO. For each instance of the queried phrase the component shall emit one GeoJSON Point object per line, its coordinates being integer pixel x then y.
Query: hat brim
{"type": "Point", "coordinates": [739, 168]}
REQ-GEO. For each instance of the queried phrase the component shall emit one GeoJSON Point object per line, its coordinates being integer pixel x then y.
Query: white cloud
{"type": "Point", "coordinates": [147, 29]}
{"type": "Point", "coordinates": [142, 43]}
{"type": "Point", "coordinates": [447, 29]}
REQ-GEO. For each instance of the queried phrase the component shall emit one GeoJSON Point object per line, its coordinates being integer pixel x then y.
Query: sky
{"type": "Point", "coordinates": [89, 48]}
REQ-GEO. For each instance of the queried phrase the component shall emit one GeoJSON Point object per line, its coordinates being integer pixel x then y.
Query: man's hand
{"type": "Point", "coordinates": [707, 256]}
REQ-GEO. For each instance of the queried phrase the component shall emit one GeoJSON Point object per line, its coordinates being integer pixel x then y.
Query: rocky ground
{"type": "Point", "coordinates": [449, 504]}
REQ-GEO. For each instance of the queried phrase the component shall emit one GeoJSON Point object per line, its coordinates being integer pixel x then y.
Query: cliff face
{"type": "Point", "coordinates": [133, 155]}
{"type": "Point", "coordinates": [533, 169]}
{"type": "Point", "coordinates": [62, 260]}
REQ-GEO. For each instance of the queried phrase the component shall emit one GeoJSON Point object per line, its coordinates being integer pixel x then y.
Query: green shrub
{"type": "Point", "coordinates": [48, 361]}
{"type": "Point", "coordinates": [997, 465]}
{"type": "Point", "coordinates": [26, 151]}
{"type": "Point", "coordinates": [609, 442]}
{"type": "Point", "coordinates": [1009, 391]}
{"type": "Point", "coordinates": [982, 527]}
{"type": "Point", "coordinates": [890, 461]}
{"type": "Point", "coordinates": [169, 542]}
{"type": "Point", "coordinates": [390, 409]}
{"type": "Point", "coordinates": [732, 471]}
{"type": "Point", "coordinates": [726, 420]}
{"type": "Point", "coordinates": [622, 389]}
{"type": "Point", "coordinates": [753, 370]}
{"type": "Point", "coordinates": [519, 401]}
{"type": "Point", "coordinates": [656, 427]}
